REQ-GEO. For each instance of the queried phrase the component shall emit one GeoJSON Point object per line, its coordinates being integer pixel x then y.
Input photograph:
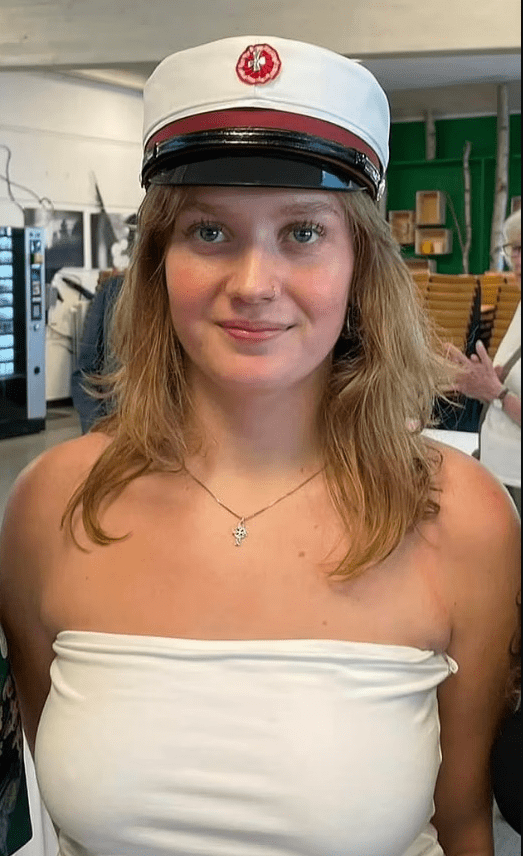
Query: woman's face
{"type": "Point", "coordinates": [258, 283]}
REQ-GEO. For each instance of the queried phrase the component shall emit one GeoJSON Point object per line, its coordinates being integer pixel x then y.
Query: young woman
{"type": "Point", "coordinates": [242, 610]}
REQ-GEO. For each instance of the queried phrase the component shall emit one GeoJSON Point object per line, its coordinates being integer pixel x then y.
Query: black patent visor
{"type": "Point", "coordinates": [254, 171]}
{"type": "Point", "coordinates": [259, 157]}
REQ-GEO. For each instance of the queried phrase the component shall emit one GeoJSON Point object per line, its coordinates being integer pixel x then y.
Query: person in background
{"type": "Point", "coordinates": [497, 383]}
{"type": "Point", "coordinates": [255, 610]}
{"type": "Point", "coordinates": [94, 357]}
{"type": "Point", "coordinates": [94, 354]}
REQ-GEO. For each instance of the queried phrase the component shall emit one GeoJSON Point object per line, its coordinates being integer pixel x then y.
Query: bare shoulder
{"type": "Point", "coordinates": [478, 549]}
{"type": "Point", "coordinates": [62, 463]}
{"type": "Point", "coordinates": [37, 501]}
{"type": "Point", "coordinates": [47, 479]}
{"type": "Point", "coordinates": [477, 513]}
{"type": "Point", "coordinates": [478, 545]}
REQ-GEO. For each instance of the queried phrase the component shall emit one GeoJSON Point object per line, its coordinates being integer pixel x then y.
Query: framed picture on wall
{"type": "Point", "coordinates": [112, 236]}
{"type": "Point", "coordinates": [64, 237]}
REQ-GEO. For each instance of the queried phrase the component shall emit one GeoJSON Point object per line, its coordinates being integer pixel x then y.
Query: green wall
{"type": "Point", "coordinates": [409, 171]}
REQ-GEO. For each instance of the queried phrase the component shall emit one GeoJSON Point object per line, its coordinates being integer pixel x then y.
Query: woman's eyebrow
{"type": "Point", "coordinates": [294, 209]}
{"type": "Point", "coordinates": [304, 209]}
{"type": "Point", "coordinates": [202, 208]}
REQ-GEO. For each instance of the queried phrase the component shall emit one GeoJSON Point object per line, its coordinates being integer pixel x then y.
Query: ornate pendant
{"type": "Point", "coordinates": [240, 533]}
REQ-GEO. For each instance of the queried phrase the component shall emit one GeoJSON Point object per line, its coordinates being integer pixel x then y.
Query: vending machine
{"type": "Point", "coordinates": [22, 331]}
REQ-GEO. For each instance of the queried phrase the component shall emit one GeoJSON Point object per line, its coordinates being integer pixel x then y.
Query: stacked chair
{"type": "Point", "coordinates": [421, 278]}
{"type": "Point", "coordinates": [466, 308]}
{"type": "Point", "coordinates": [451, 301]}
{"type": "Point", "coordinates": [500, 296]}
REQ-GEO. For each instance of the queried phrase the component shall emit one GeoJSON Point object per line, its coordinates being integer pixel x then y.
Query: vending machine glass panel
{"type": "Point", "coordinates": [22, 331]}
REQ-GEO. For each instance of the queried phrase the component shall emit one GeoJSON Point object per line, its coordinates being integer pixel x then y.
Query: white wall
{"type": "Point", "coordinates": [61, 132]}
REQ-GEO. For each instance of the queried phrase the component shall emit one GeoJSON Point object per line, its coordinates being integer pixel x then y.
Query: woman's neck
{"type": "Point", "coordinates": [256, 432]}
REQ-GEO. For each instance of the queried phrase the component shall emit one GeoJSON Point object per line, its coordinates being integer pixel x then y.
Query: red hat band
{"type": "Point", "coordinates": [262, 118]}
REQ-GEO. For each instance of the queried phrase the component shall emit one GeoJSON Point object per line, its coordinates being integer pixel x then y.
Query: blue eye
{"type": "Point", "coordinates": [307, 233]}
{"type": "Point", "coordinates": [209, 233]}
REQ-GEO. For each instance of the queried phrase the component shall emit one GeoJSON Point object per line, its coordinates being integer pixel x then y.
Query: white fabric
{"type": "Point", "coordinates": [313, 82]}
{"type": "Point", "coordinates": [465, 441]}
{"type": "Point", "coordinates": [154, 746]}
{"type": "Point", "coordinates": [43, 840]}
{"type": "Point", "coordinates": [500, 435]}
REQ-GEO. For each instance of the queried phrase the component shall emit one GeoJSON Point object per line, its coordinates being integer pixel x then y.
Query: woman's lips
{"type": "Point", "coordinates": [248, 331]}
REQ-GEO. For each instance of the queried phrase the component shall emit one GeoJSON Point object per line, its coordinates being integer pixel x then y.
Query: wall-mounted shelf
{"type": "Point", "coordinates": [430, 208]}
{"type": "Point", "coordinates": [433, 242]}
{"type": "Point", "coordinates": [421, 265]}
{"type": "Point", "coordinates": [402, 224]}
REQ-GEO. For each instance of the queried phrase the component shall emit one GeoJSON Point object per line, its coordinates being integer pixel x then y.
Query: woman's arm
{"type": "Point", "coordinates": [479, 542]}
{"type": "Point", "coordinates": [32, 547]}
{"type": "Point", "coordinates": [24, 546]}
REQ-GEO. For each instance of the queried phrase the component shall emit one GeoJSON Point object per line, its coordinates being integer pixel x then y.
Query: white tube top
{"type": "Point", "coordinates": [152, 746]}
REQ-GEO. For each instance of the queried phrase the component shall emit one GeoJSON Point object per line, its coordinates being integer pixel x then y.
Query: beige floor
{"type": "Point", "coordinates": [63, 424]}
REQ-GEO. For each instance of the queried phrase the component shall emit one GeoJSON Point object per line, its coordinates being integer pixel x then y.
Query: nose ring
{"type": "Point", "coordinates": [273, 295]}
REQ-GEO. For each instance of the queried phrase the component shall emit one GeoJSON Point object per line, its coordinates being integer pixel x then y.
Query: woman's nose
{"type": "Point", "coordinates": [253, 278]}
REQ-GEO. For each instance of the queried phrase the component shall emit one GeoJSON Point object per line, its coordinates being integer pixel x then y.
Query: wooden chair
{"type": "Point", "coordinates": [490, 286]}
{"type": "Point", "coordinates": [420, 275]}
{"type": "Point", "coordinates": [508, 298]}
{"type": "Point", "coordinates": [421, 278]}
{"type": "Point", "coordinates": [452, 288]}
{"type": "Point", "coordinates": [486, 324]}
{"type": "Point", "coordinates": [447, 298]}
{"type": "Point", "coordinates": [504, 275]}
{"type": "Point", "coordinates": [453, 278]}
{"type": "Point", "coordinates": [449, 301]}
{"type": "Point", "coordinates": [452, 325]}
{"type": "Point", "coordinates": [499, 329]}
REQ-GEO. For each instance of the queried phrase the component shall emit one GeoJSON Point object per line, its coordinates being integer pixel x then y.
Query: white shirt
{"type": "Point", "coordinates": [152, 746]}
{"type": "Point", "coordinates": [500, 435]}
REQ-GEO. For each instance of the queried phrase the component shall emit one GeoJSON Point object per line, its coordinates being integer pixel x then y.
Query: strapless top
{"type": "Point", "coordinates": [153, 746]}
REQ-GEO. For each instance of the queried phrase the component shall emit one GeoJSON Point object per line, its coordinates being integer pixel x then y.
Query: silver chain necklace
{"type": "Point", "coordinates": [240, 532]}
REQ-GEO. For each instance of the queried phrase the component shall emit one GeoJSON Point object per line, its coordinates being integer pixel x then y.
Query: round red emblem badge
{"type": "Point", "coordinates": [258, 64]}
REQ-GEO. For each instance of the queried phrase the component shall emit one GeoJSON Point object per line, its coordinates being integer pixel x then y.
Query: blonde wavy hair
{"type": "Point", "coordinates": [385, 374]}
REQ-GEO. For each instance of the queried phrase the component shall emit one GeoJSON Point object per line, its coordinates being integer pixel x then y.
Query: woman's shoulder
{"type": "Point", "coordinates": [42, 489]}
{"type": "Point", "coordinates": [66, 460]}
{"type": "Point", "coordinates": [470, 495]}
{"type": "Point", "coordinates": [478, 527]}
{"type": "Point", "coordinates": [32, 537]}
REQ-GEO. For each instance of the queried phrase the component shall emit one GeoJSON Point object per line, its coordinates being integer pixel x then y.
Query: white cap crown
{"type": "Point", "coordinates": [288, 77]}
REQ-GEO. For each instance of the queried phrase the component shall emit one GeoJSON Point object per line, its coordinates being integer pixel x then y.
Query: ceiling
{"type": "Point", "coordinates": [451, 84]}
{"type": "Point", "coordinates": [448, 56]}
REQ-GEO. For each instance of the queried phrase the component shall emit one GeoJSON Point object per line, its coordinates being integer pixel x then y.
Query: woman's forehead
{"type": "Point", "coordinates": [278, 200]}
